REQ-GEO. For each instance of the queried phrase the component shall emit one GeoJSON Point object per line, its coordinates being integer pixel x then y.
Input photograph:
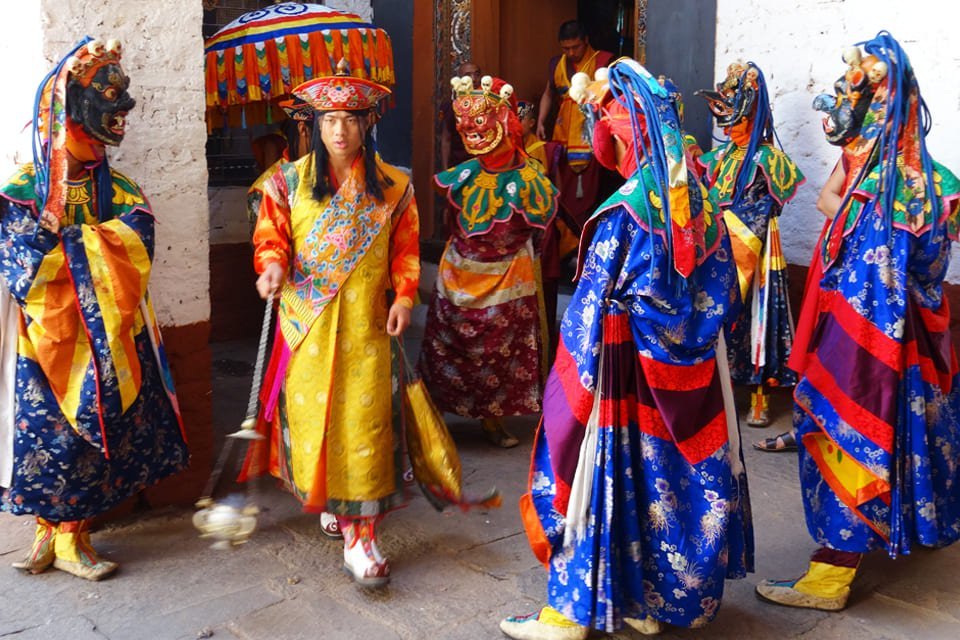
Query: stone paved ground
{"type": "Point", "coordinates": [455, 575]}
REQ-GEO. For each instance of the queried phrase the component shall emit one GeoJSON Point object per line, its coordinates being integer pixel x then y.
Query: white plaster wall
{"type": "Point", "coordinates": [21, 44]}
{"type": "Point", "coordinates": [798, 47]}
{"type": "Point", "coordinates": [363, 8]}
{"type": "Point", "coordinates": [164, 147]}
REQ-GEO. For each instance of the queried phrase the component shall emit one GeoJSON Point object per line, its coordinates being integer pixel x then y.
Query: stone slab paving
{"type": "Point", "coordinates": [455, 574]}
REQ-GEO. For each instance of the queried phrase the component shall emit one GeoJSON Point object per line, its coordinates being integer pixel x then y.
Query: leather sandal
{"type": "Point", "coordinates": [783, 442]}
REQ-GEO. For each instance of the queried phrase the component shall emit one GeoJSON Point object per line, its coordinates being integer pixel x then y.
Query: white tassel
{"type": "Point", "coordinates": [578, 508]}
{"type": "Point", "coordinates": [729, 408]}
{"type": "Point", "coordinates": [9, 319]}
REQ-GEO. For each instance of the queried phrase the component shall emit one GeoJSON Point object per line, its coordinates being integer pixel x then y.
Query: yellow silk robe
{"type": "Point", "coordinates": [333, 437]}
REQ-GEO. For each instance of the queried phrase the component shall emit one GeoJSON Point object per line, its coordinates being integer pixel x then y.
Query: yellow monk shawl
{"type": "Point", "coordinates": [568, 129]}
{"type": "Point", "coordinates": [343, 229]}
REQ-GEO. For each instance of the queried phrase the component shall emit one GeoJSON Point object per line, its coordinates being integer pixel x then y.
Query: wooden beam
{"type": "Point", "coordinates": [424, 116]}
{"type": "Point", "coordinates": [485, 35]}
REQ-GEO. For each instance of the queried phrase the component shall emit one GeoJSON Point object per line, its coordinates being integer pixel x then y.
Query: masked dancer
{"type": "Point", "coordinates": [89, 416]}
{"type": "Point", "coordinates": [751, 180]}
{"type": "Point", "coordinates": [484, 351]}
{"type": "Point", "coordinates": [637, 501]}
{"type": "Point", "coordinates": [877, 405]}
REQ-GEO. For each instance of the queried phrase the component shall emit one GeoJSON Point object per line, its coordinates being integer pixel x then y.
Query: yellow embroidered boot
{"type": "Point", "coordinates": [75, 554]}
{"type": "Point", "coordinates": [41, 553]}
{"type": "Point", "coordinates": [825, 585]}
{"type": "Point", "coordinates": [759, 415]}
{"type": "Point", "coordinates": [648, 626]}
{"type": "Point", "coordinates": [546, 624]}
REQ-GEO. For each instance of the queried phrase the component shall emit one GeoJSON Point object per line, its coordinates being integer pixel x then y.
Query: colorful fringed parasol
{"type": "Point", "coordinates": [257, 60]}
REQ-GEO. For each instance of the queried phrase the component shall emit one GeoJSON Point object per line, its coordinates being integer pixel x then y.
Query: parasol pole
{"type": "Point", "coordinates": [247, 429]}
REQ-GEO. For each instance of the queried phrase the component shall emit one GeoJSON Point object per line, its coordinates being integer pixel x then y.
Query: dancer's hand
{"type": "Point", "coordinates": [398, 319]}
{"type": "Point", "coordinates": [270, 280]}
{"type": "Point", "coordinates": [50, 222]}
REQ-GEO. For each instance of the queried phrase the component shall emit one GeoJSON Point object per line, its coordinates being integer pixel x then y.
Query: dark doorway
{"type": "Point", "coordinates": [610, 24]}
{"type": "Point", "coordinates": [395, 136]}
{"type": "Point", "coordinates": [681, 36]}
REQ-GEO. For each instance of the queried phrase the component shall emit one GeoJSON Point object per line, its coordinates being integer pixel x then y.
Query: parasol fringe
{"type": "Point", "coordinates": [246, 76]}
{"type": "Point", "coordinates": [282, 47]}
{"type": "Point", "coordinates": [264, 77]}
{"type": "Point", "coordinates": [321, 59]}
{"type": "Point", "coordinates": [355, 54]}
{"type": "Point", "coordinates": [240, 85]}
{"type": "Point", "coordinates": [250, 73]}
{"type": "Point", "coordinates": [334, 47]}
{"type": "Point", "coordinates": [295, 53]}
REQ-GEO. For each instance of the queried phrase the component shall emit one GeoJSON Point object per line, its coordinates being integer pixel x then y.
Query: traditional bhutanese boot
{"type": "Point", "coordinates": [546, 624]}
{"type": "Point", "coordinates": [494, 432]}
{"type": "Point", "coordinates": [330, 525]}
{"type": "Point", "coordinates": [75, 554]}
{"type": "Point", "coordinates": [362, 560]}
{"type": "Point", "coordinates": [41, 553]}
{"type": "Point", "coordinates": [648, 626]}
{"type": "Point", "coordinates": [759, 415]}
{"type": "Point", "coordinates": [825, 585]}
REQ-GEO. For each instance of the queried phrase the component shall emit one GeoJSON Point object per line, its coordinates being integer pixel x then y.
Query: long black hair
{"type": "Point", "coordinates": [376, 180]}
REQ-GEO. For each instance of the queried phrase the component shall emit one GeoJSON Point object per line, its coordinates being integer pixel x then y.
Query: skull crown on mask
{"type": "Point", "coordinates": [735, 97]}
{"type": "Point", "coordinates": [853, 93]}
{"type": "Point", "coordinates": [481, 115]}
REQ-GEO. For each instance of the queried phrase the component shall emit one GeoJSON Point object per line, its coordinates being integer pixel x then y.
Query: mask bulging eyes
{"type": "Point", "coordinates": [110, 93]}
{"type": "Point", "coordinates": [478, 120]}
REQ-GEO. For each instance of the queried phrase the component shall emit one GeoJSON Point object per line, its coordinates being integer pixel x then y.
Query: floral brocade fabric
{"type": "Point", "coordinates": [668, 514]}
{"type": "Point", "coordinates": [59, 476]}
{"type": "Point", "coordinates": [877, 410]}
{"type": "Point", "coordinates": [482, 347]}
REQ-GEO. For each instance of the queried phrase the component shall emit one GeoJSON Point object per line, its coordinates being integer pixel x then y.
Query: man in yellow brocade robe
{"type": "Point", "coordinates": [337, 230]}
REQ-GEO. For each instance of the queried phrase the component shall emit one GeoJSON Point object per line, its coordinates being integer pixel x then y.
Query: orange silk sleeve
{"type": "Point", "coordinates": [405, 254]}
{"type": "Point", "coordinates": [272, 236]}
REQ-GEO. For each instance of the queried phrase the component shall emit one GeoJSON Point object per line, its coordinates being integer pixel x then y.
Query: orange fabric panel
{"type": "Point", "coordinates": [405, 253]}
{"type": "Point", "coordinates": [271, 237]}
{"type": "Point", "coordinates": [535, 535]}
